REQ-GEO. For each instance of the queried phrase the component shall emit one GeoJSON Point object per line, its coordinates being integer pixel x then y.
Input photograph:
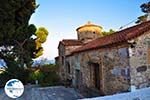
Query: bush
{"type": "Point", "coordinates": [36, 75]}
{"type": "Point", "coordinates": [50, 76]}
{"type": "Point", "coordinates": [14, 73]}
{"type": "Point", "coordinates": [50, 79]}
{"type": "Point", "coordinates": [46, 75]}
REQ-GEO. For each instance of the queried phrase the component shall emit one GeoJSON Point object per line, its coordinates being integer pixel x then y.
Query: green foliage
{"type": "Point", "coordinates": [145, 7]}
{"type": "Point", "coordinates": [50, 79]}
{"type": "Point", "coordinates": [49, 66]}
{"type": "Point", "coordinates": [41, 34]}
{"type": "Point", "coordinates": [46, 75]}
{"type": "Point", "coordinates": [17, 45]}
{"type": "Point", "coordinates": [14, 72]}
{"type": "Point", "coordinates": [111, 31]}
{"type": "Point", "coordinates": [36, 75]}
{"type": "Point", "coordinates": [142, 18]}
{"type": "Point", "coordinates": [15, 32]}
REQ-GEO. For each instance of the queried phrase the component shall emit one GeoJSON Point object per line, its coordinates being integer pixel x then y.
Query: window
{"type": "Point", "coordinates": [68, 68]}
{"type": "Point", "coordinates": [82, 39]}
{"type": "Point", "coordinates": [96, 75]}
{"type": "Point", "coordinates": [62, 60]}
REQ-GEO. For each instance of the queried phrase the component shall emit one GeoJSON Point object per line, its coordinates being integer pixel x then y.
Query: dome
{"type": "Point", "coordinates": [89, 26]}
{"type": "Point", "coordinates": [89, 32]}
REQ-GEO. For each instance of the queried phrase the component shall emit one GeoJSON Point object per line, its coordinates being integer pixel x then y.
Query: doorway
{"type": "Point", "coordinates": [77, 74]}
{"type": "Point", "coordinates": [96, 76]}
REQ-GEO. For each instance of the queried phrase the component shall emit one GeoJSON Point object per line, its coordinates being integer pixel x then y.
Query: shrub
{"type": "Point", "coordinates": [14, 73]}
{"type": "Point", "coordinates": [36, 75]}
{"type": "Point", "coordinates": [50, 79]}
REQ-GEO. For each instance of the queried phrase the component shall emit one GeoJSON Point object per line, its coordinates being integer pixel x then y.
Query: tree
{"type": "Point", "coordinates": [16, 40]}
{"type": "Point", "coordinates": [41, 34]}
{"type": "Point", "coordinates": [36, 76]}
{"type": "Point", "coordinates": [15, 32]}
{"type": "Point", "coordinates": [111, 31]}
{"type": "Point", "coordinates": [145, 8]}
{"type": "Point", "coordinates": [17, 45]}
{"type": "Point", "coordinates": [142, 18]}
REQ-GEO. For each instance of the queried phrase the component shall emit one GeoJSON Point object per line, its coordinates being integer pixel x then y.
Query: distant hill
{"type": "Point", "coordinates": [43, 62]}
{"type": "Point", "coordinates": [36, 62]}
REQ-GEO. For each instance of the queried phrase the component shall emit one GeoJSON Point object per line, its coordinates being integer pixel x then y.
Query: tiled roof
{"type": "Point", "coordinates": [71, 42]}
{"type": "Point", "coordinates": [120, 36]}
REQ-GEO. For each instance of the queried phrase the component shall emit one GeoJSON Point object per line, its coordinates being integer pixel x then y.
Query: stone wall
{"type": "Point", "coordinates": [74, 65]}
{"type": "Point", "coordinates": [69, 49]}
{"type": "Point", "coordinates": [117, 62]}
{"type": "Point", "coordinates": [116, 70]}
{"type": "Point", "coordinates": [113, 65]}
{"type": "Point", "coordinates": [88, 36]}
{"type": "Point", "coordinates": [62, 60]}
{"type": "Point", "coordinates": [140, 62]}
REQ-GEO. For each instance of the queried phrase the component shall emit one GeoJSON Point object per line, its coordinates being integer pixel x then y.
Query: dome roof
{"type": "Point", "coordinates": [89, 26]}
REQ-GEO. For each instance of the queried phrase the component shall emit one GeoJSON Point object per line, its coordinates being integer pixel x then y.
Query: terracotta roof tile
{"type": "Point", "coordinates": [120, 36]}
{"type": "Point", "coordinates": [71, 42]}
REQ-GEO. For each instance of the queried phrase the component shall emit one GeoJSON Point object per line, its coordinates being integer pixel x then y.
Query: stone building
{"type": "Point", "coordinates": [106, 64]}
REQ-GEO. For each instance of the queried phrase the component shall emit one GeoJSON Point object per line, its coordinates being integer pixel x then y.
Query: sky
{"type": "Point", "coordinates": [62, 17]}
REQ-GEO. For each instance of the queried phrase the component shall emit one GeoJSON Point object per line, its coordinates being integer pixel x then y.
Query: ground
{"type": "Point", "coordinates": [62, 93]}
{"type": "Point", "coordinates": [47, 93]}
{"type": "Point", "coordinates": [141, 94]}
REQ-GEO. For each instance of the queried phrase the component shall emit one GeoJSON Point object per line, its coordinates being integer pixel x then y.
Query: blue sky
{"type": "Point", "coordinates": [62, 17]}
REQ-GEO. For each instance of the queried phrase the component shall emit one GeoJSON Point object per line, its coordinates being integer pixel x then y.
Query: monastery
{"type": "Point", "coordinates": [106, 65]}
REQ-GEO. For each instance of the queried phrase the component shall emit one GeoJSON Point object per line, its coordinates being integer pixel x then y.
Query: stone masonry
{"type": "Point", "coordinates": [105, 65]}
